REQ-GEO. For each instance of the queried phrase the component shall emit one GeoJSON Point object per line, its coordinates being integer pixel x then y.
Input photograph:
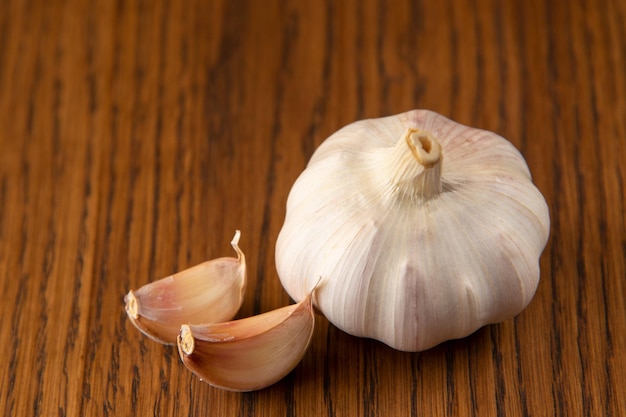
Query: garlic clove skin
{"type": "Point", "coordinates": [414, 251]}
{"type": "Point", "coordinates": [206, 293]}
{"type": "Point", "coordinates": [252, 353]}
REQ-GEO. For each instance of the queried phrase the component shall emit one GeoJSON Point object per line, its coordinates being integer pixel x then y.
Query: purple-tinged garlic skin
{"type": "Point", "coordinates": [251, 353]}
{"type": "Point", "coordinates": [210, 292]}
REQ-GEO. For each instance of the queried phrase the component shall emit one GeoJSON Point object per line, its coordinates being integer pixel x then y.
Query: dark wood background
{"type": "Point", "coordinates": [136, 136]}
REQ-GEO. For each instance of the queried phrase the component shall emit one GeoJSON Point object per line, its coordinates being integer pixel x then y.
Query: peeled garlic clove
{"type": "Point", "coordinates": [423, 229]}
{"type": "Point", "coordinates": [210, 292]}
{"type": "Point", "coordinates": [251, 353]}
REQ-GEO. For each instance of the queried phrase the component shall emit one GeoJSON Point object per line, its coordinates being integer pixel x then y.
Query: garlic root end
{"type": "Point", "coordinates": [131, 305]}
{"type": "Point", "coordinates": [185, 340]}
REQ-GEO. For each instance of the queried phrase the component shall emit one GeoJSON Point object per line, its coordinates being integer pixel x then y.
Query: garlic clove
{"type": "Point", "coordinates": [210, 292]}
{"type": "Point", "coordinates": [251, 353]}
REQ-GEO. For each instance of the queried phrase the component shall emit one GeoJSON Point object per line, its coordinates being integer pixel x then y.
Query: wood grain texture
{"type": "Point", "coordinates": [136, 136]}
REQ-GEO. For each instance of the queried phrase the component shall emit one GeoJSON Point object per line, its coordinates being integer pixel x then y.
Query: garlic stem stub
{"type": "Point", "coordinates": [423, 230]}
{"type": "Point", "coordinates": [210, 292]}
{"type": "Point", "coordinates": [252, 353]}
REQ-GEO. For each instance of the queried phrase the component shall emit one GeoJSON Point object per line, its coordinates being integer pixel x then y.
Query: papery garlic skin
{"type": "Point", "coordinates": [210, 292]}
{"type": "Point", "coordinates": [413, 253]}
{"type": "Point", "coordinates": [251, 353]}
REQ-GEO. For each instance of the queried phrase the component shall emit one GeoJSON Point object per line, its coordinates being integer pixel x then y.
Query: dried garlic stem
{"type": "Point", "coordinates": [415, 166]}
{"type": "Point", "coordinates": [424, 147]}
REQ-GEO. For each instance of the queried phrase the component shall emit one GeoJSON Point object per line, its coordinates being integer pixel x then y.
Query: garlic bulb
{"type": "Point", "coordinates": [210, 292]}
{"type": "Point", "coordinates": [422, 230]}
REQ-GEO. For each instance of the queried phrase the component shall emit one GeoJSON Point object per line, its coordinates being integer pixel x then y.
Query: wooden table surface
{"type": "Point", "coordinates": [136, 136]}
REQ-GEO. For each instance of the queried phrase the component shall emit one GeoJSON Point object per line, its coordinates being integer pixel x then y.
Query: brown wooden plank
{"type": "Point", "coordinates": [137, 136]}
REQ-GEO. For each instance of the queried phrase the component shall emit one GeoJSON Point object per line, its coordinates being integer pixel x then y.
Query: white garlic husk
{"type": "Point", "coordinates": [422, 229]}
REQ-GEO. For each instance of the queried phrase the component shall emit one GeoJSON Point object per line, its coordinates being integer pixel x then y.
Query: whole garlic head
{"type": "Point", "coordinates": [421, 229]}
